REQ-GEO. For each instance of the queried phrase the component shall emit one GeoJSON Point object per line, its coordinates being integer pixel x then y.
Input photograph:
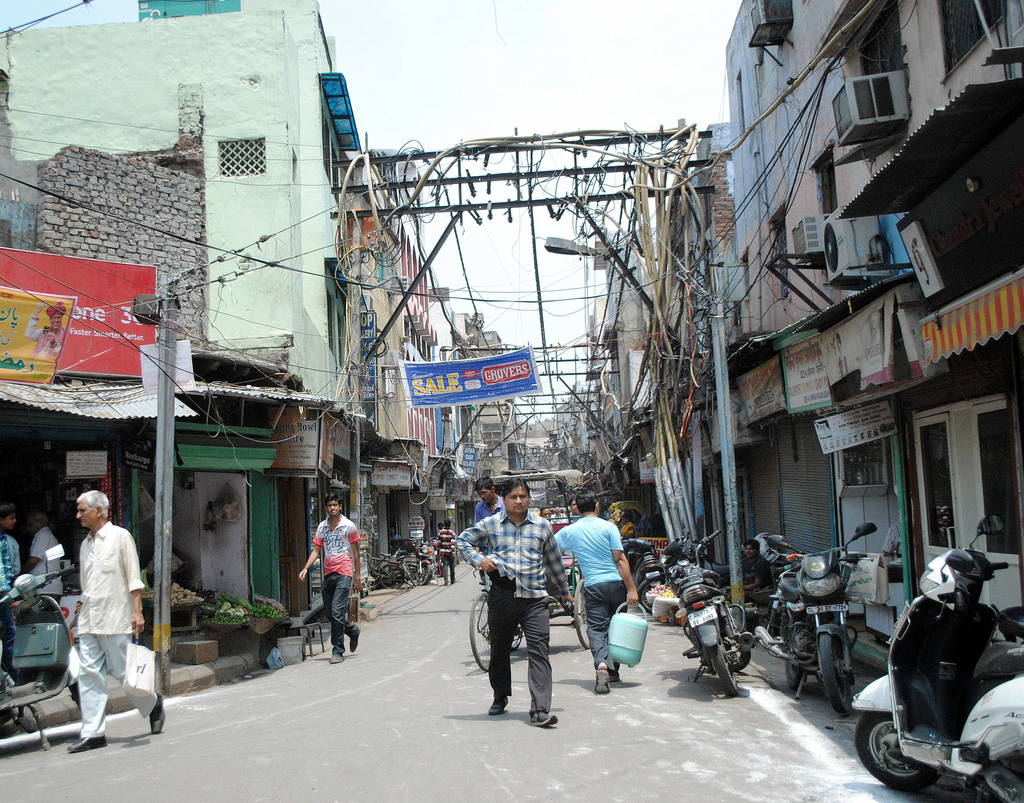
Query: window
{"type": "Point", "coordinates": [961, 27]}
{"type": "Point", "coordinates": [336, 292]}
{"type": "Point", "coordinates": [739, 104]}
{"type": "Point", "coordinates": [866, 464]}
{"type": "Point", "coordinates": [242, 157]}
{"type": "Point", "coordinates": [825, 171]}
{"type": "Point", "coordinates": [882, 49]}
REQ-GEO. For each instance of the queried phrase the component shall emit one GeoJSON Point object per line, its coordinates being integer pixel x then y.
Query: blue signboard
{"type": "Point", "coordinates": [448, 384]}
{"type": "Point", "coordinates": [469, 457]}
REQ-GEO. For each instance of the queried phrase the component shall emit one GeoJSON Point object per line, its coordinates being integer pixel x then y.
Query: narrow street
{"type": "Point", "coordinates": [405, 718]}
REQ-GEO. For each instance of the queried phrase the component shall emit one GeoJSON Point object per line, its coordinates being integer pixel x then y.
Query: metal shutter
{"type": "Point", "coordinates": [763, 470]}
{"type": "Point", "coordinates": [805, 486]}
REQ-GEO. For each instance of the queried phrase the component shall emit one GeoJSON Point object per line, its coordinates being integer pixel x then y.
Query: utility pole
{"type": "Point", "coordinates": [162, 528]}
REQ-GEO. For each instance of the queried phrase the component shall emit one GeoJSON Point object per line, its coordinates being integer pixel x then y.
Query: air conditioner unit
{"type": "Point", "coordinates": [771, 20]}
{"type": "Point", "coordinates": [808, 235]}
{"type": "Point", "coordinates": [871, 106]}
{"type": "Point", "coordinates": [855, 251]}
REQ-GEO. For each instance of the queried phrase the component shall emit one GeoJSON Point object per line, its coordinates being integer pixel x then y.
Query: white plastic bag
{"type": "Point", "coordinates": [140, 670]}
{"type": "Point", "coordinates": [869, 581]}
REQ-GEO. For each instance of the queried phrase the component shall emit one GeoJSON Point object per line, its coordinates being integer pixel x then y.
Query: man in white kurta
{"type": "Point", "coordinates": [111, 613]}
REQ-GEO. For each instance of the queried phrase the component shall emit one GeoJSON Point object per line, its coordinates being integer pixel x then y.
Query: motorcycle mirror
{"type": "Point", "coordinates": [992, 524]}
{"type": "Point", "coordinates": [862, 530]}
{"type": "Point", "coordinates": [54, 553]}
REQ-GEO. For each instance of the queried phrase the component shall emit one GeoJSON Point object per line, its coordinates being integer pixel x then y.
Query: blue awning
{"type": "Point", "coordinates": [338, 108]}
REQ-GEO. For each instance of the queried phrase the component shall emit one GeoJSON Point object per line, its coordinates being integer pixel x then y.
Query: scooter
{"type": "Point", "coordinates": [43, 654]}
{"type": "Point", "coordinates": [952, 702]}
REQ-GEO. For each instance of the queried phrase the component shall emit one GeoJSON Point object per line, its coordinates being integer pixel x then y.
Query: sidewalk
{"type": "Point", "coordinates": [188, 679]}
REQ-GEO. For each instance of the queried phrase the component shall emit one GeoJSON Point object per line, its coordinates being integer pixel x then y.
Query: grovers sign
{"type": "Point", "coordinates": [446, 384]}
{"type": "Point", "coordinates": [104, 337]}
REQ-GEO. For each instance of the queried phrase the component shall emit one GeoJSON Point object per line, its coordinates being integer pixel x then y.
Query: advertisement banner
{"type": "Point", "coordinates": [761, 390]}
{"type": "Point", "coordinates": [863, 425]}
{"type": "Point", "coordinates": [459, 382]}
{"type": "Point", "coordinates": [103, 336]}
{"type": "Point", "coordinates": [33, 329]}
{"type": "Point", "coordinates": [469, 458]}
{"type": "Point", "coordinates": [806, 380]}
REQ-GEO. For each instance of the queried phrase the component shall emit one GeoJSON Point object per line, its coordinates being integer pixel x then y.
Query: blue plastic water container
{"type": "Point", "coordinates": [627, 634]}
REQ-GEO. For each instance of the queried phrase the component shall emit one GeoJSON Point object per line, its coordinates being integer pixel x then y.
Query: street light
{"type": "Point", "coordinates": [559, 245]}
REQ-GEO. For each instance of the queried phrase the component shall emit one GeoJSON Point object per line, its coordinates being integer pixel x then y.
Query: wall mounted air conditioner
{"type": "Point", "coordinates": [855, 251]}
{"type": "Point", "coordinates": [871, 106]}
{"type": "Point", "coordinates": [771, 21]}
{"type": "Point", "coordinates": [808, 235]}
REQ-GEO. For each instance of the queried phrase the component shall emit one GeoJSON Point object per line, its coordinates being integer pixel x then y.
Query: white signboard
{"type": "Point", "coordinates": [184, 378]}
{"type": "Point", "coordinates": [916, 242]}
{"type": "Point", "coordinates": [392, 475]}
{"type": "Point", "coordinates": [863, 425]}
{"type": "Point", "coordinates": [92, 463]}
{"type": "Point", "coordinates": [806, 381]}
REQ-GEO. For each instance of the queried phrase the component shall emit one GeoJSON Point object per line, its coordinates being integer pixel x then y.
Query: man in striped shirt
{"type": "Point", "coordinates": [520, 553]}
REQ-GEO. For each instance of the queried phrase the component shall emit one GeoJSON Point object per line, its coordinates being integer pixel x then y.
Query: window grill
{"type": "Point", "coordinates": [961, 28]}
{"type": "Point", "coordinates": [242, 157]}
{"type": "Point", "coordinates": [882, 48]}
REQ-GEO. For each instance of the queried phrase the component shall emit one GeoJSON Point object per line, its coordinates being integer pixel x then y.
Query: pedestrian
{"type": "Point", "coordinates": [607, 580]}
{"type": "Point", "coordinates": [336, 536]}
{"type": "Point", "coordinates": [446, 551]}
{"type": "Point", "coordinates": [490, 502]}
{"type": "Point", "coordinates": [7, 575]}
{"type": "Point", "coordinates": [627, 527]}
{"type": "Point", "coordinates": [111, 612]}
{"type": "Point", "coordinates": [520, 553]}
{"type": "Point", "coordinates": [8, 521]}
{"type": "Point", "coordinates": [42, 540]}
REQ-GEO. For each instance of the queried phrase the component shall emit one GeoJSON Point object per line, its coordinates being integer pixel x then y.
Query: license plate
{"type": "Point", "coordinates": [838, 607]}
{"type": "Point", "coordinates": [700, 617]}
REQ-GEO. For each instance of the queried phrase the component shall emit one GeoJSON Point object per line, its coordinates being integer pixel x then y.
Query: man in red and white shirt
{"type": "Point", "coordinates": [336, 537]}
{"type": "Point", "coordinates": [446, 551]}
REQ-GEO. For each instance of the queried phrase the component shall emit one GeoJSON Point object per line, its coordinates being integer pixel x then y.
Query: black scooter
{"type": "Point", "coordinates": [43, 654]}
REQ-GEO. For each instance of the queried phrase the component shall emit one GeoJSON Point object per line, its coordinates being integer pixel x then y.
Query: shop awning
{"type": "Point", "coordinates": [939, 146]}
{"type": "Point", "coordinates": [282, 395]}
{"type": "Point", "coordinates": [96, 400]}
{"type": "Point", "coordinates": [991, 312]}
{"type": "Point", "coordinates": [223, 458]}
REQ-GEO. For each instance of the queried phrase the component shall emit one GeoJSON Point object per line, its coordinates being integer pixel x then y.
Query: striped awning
{"type": "Point", "coordinates": [989, 313]}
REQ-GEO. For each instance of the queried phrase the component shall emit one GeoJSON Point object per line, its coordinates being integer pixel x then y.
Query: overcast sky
{"type": "Point", "coordinates": [439, 71]}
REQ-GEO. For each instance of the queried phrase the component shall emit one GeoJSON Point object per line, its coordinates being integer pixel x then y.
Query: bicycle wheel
{"type": "Point", "coordinates": [479, 633]}
{"type": "Point", "coordinates": [579, 616]}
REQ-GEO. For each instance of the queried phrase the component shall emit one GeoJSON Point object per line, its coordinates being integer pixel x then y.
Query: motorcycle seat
{"type": "Point", "coordinates": [1000, 660]}
{"type": "Point", "coordinates": [1011, 622]}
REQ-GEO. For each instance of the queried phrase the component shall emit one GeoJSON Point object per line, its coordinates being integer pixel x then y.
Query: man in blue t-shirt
{"type": "Point", "coordinates": [607, 582]}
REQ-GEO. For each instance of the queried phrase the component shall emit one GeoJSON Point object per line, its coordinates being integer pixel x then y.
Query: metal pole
{"type": "Point", "coordinates": [162, 528]}
{"type": "Point", "coordinates": [355, 491]}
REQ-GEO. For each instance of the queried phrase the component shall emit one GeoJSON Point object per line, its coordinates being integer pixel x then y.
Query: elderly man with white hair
{"type": "Point", "coordinates": [111, 613]}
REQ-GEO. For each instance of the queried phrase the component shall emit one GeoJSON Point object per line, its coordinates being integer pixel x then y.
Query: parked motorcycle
{"type": "Point", "coordinates": [715, 628]}
{"type": "Point", "coordinates": [952, 702]}
{"type": "Point", "coordinates": [807, 622]}
{"type": "Point", "coordinates": [43, 654]}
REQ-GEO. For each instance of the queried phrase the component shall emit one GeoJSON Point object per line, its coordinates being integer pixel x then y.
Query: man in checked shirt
{"type": "Point", "coordinates": [520, 553]}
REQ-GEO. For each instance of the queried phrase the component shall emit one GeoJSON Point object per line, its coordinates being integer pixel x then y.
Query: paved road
{"type": "Point", "coordinates": [405, 719]}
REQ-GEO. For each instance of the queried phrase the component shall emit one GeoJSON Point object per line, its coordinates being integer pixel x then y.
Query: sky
{"type": "Point", "coordinates": [432, 73]}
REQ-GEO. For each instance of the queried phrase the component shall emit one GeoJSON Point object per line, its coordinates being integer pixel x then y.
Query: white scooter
{"type": "Point", "coordinates": [953, 700]}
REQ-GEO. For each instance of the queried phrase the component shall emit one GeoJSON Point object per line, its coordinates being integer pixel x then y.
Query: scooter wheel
{"type": "Point", "coordinates": [878, 749]}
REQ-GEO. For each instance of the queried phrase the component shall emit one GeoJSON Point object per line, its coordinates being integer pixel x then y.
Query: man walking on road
{"type": "Point", "coordinates": [7, 575]}
{"type": "Point", "coordinates": [490, 503]}
{"type": "Point", "coordinates": [111, 612]}
{"type": "Point", "coordinates": [521, 552]}
{"type": "Point", "coordinates": [336, 537]}
{"type": "Point", "coordinates": [607, 581]}
{"type": "Point", "coordinates": [446, 551]}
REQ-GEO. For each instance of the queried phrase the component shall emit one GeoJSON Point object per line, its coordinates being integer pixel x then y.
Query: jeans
{"type": "Point", "coordinates": [448, 568]}
{"type": "Point", "coordinates": [335, 596]}
{"type": "Point", "coordinates": [504, 612]}
{"type": "Point", "coordinates": [103, 656]}
{"type": "Point", "coordinates": [602, 599]}
{"type": "Point", "coordinates": [8, 617]}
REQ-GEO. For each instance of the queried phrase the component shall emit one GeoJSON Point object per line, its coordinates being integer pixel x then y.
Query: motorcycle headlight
{"type": "Point", "coordinates": [824, 587]}
{"type": "Point", "coordinates": [815, 566]}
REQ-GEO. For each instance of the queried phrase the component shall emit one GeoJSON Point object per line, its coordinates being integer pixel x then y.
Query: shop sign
{"type": "Point", "coordinates": [416, 523]}
{"type": "Point", "coordinates": [862, 343]}
{"type": "Point", "coordinates": [335, 440]}
{"type": "Point", "coordinates": [296, 444]}
{"type": "Point", "coordinates": [806, 380]}
{"type": "Point", "coordinates": [391, 475]}
{"type": "Point", "coordinates": [470, 455]}
{"type": "Point", "coordinates": [460, 382]}
{"type": "Point", "coordinates": [854, 427]}
{"type": "Point", "coordinates": [140, 454]}
{"type": "Point", "coordinates": [103, 336]}
{"type": "Point", "coordinates": [33, 331]}
{"type": "Point", "coordinates": [762, 391]}
{"type": "Point", "coordinates": [91, 463]}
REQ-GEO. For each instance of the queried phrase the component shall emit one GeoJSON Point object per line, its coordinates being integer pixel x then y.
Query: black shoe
{"type": "Point", "coordinates": [91, 743]}
{"type": "Point", "coordinates": [497, 707]}
{"type": "Point", "coordinates": [353, 641]}
{"type": "Point", "coordinates": [601, 684]}
{"type": "Point", "coordinates": [542, 719]}
{"type": "Point", "coordinates": [156, 716]}
{"type": "Point", "coordinates": [613, 676]}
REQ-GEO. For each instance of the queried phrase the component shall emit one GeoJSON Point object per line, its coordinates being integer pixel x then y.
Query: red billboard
{"type": "Point", "coordinates": [105, 337]}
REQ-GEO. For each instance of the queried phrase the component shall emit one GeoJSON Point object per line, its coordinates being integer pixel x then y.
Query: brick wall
{"type": "Point", "coordinates": [135, 187]}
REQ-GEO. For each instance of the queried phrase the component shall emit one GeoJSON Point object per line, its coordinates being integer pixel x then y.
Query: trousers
{"type": "Point", "coordinates": [104, 656]}
{"type": "Point", "coordinates": [335, 595]}
{"type": "Point", "coordinates": [602, 600]}
{"type": "Point", "coordinates": [504, 612]}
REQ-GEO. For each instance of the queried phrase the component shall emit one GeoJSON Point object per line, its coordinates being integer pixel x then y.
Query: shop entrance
{"type": "Point", "coordinates": [966, 469]}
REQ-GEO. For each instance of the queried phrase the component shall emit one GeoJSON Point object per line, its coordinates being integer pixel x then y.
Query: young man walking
{"type": "Point", "coordinates": [520, 553]}
{"type": "Point", "coordinates": [446, 551]}
{"type": "Point", "coordinates": [607, 581]}
{"type": "Point", "coordinates": [337, 538]}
